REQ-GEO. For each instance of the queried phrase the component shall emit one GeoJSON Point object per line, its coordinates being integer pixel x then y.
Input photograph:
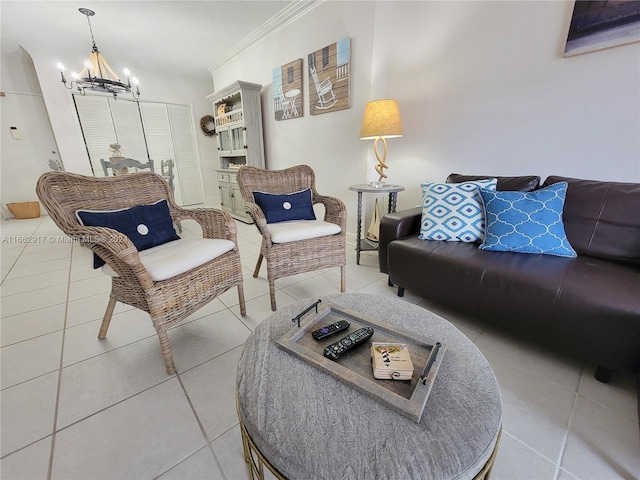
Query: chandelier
{"type": "Point", "coordinates": [97, 75]}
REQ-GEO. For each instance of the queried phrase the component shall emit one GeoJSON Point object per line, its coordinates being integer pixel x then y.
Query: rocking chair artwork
{"type": "Point", "coordinates": [329, 72]}
{"type": "Point", "coordinates": [324, 90]}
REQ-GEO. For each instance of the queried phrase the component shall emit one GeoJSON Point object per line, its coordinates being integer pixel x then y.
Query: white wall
{"type": "Point", "coordinates": [487, 90]}
{"type": "Point", "coordinates": [25, 159]}
{"type": "Point", "coordinates": [483, 89]}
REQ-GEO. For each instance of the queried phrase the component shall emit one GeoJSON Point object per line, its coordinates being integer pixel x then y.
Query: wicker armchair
{"type": "Point", "coordinates": [293, 257]}
{"type": "Point", "coordinates": [167, 300]}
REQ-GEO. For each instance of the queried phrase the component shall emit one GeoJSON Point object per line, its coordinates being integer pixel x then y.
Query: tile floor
{"type": "Point", "coordinates": [74, 407]}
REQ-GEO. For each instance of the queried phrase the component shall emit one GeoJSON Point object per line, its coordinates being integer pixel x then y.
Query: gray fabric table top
{"type": "Point", "coordinates": [310, 425]}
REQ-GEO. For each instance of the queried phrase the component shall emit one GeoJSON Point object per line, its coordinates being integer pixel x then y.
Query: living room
{"type": "Point", "coordinates": [483, 87]}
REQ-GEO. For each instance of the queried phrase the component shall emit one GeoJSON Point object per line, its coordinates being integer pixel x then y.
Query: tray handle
{"type": "Point", "coordinates": [432, 359]}
{"type": "Point", "coordinates": [305, 311]}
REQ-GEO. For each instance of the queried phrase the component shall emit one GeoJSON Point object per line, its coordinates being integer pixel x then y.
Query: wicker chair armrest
{"type": "Point", "coordinates": [116, 249]}
{"type": "Point", "coordinates": [259, 219]}
{"type": "Point", "coordinates": [335, 210]}
{"type": "Point", "coordinates": [215, 223]}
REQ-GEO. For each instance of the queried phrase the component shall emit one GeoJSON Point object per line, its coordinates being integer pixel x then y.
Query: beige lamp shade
{"type": "Point", "coordinates": [381, 119]}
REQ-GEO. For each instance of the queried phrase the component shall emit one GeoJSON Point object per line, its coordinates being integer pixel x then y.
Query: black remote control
{"type": "Point", "coordinates": [330, 329]}
{"type": "Point", "coordinates": [345, 344]}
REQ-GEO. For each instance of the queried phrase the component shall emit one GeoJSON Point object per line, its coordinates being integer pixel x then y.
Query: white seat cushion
{"type": "Point", "coordinates": [295, 230]}
{"type": "Point", "coordinates": [179, 256]}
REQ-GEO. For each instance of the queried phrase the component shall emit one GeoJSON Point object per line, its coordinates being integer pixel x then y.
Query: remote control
{"type": "Point", "coordinates": [330, 329]}
{"type": "Point", "coordinates": [345, 344]}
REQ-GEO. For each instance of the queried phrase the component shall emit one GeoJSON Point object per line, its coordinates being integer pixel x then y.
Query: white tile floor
{"type": "Point", "coordinates": [74, 407]}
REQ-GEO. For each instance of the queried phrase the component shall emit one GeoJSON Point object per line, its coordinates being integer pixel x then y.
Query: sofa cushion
{"type": "Point", "coordinates": [145, 225]}
{"type": "Point", "coordinates": [602, 219]}
{"type": "Point", "coordinates": [584, 306]}
{"type": "Point", "coordinates": [286, 207]}
{"type": "Point", "coordinates": [526, 183]}
{"type": "Point", "coordinates": [526, 222]}
{"type": "Point", "coordinates": [453, 211]}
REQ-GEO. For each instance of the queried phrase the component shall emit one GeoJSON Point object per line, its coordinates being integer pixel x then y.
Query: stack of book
{"type": "Point", "coordinates": [391, 361]}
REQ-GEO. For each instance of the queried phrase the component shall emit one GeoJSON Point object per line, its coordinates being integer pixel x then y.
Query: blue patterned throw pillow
{"type": "Point", "coordinates": [282, 208]}
{"type": "Point", "coordinates": [528, 222]}
{"type": "Point", "coordinates": [453, 211]}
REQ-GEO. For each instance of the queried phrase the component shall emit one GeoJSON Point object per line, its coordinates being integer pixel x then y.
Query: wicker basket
{"type": "Point", "coordinates": [24, 209]}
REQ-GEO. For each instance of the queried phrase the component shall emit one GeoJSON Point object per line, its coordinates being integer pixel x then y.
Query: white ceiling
{"type": "Point", "coordinates": [184, 37]}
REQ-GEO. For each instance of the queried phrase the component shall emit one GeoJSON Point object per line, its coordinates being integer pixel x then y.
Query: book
{"type": "Point", "coordinates": [391, 361]}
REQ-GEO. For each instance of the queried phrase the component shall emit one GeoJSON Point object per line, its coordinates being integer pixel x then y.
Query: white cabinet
{"type": "Point", "coordinates": [230, 195]}
{"type": "Point", "coordinates": [237, 112]}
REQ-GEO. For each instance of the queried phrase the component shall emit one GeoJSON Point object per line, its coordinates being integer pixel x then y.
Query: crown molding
{"type": "Point", "coordinates": [284, 18]}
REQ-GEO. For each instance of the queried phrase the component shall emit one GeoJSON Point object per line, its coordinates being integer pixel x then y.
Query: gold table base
{"type": "Point", "coordinates": [256, 461]}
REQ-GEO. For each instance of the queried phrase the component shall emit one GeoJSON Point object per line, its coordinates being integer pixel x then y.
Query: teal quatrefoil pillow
{"type": "Point", "coordinates": [453, 211]}
{"type": "Point", "coordinates": [526, 222]}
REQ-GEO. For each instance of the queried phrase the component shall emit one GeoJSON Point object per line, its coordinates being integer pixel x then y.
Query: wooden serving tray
{"type": "Point", "coordinates": [407, 397]}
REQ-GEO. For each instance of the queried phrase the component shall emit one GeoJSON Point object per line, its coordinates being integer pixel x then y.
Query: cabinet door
{"type": "Point", "coordinates": [225, 196]}
{"type": "Point", "coordinates": [237, 201]}
{"type": "Point", "coordinates": [238, 140]}
{"type": "Point", "coordinates": [224, 140]}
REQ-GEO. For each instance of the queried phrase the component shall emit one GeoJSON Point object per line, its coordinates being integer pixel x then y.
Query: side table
{"type": "Point", "coordinates": [392, 190]}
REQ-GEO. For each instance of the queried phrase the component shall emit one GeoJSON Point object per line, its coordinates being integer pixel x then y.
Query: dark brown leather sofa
{"type": "Point", "coordinates": [588, 306]}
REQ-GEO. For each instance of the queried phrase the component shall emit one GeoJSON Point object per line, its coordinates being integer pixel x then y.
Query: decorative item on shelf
{"type": "Point", "coordinates": [373, 233]}
{"type": "Point", "coordinates": [381, 120]}
{"type": "Point", "coordinates": [97, 75]}
{"type": "Point", "coordinates": [204, 125]}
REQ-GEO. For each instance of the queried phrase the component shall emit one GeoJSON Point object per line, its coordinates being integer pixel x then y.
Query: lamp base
{"type": "Point", "coordinates": [377, 184]}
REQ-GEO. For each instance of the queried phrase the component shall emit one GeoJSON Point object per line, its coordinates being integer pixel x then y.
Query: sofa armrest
{"type": "Point", "coordinates": [397, 225]}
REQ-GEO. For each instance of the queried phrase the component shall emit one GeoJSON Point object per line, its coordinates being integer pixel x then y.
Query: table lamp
{"type": "Point", "coordinates": [381, 120]}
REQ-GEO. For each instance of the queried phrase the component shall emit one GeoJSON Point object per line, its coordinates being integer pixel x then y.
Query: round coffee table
{"type": "Point", "coordinates": [304, 424]}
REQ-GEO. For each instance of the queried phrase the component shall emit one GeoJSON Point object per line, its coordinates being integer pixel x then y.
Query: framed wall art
{"type": "Point", "coordinates": [329, 73]}
{"type": "Point", "coordinates": [287, 90]}
{"type": "Point", "coordinates": [596, 25]}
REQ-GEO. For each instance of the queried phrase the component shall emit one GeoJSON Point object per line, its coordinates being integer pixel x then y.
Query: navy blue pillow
{"type": "Point", "coordinates": [146, 225]}
{"type": "Point", "coordinates": [281, 208]}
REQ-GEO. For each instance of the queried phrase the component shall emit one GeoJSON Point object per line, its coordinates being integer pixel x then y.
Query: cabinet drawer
{"type": "Point", "coordinates": [223, 177]}
{"type": "Point", "coordinates": [233, 178]}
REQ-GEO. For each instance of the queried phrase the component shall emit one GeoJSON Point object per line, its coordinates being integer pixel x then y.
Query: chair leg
{"type": "Point", "coordinates": [343, 279]}
{"type": "Point", "coordinates": [272, 294]}
{"type": "Point", "coordinates": [257, 269]}
{"type": "Point", "coordinates": [243, 307]}
{"type": "Point", "coordinates": [106, 320]}
{"type": "Point", "coordinates": [166, 351]}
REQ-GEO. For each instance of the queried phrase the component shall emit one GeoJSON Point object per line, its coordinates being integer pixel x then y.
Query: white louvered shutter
{"type": "Point", "coordinates": [185, 154]}
{"type": "Point", "coordinates": [97, 128]}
